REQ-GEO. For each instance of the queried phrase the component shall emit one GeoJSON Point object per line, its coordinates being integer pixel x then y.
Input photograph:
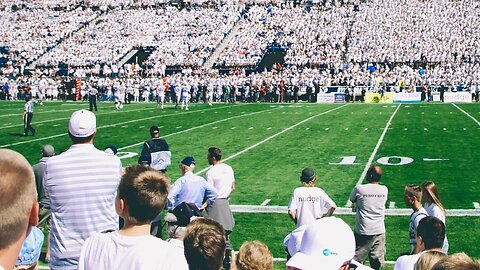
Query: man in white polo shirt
{"type": "Point", "coordinates": [81, 185]}
{"type": "Point", "coordinates": [222, 178]}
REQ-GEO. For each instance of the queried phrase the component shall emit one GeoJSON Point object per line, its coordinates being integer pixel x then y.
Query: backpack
{"type": "Point", "coordinates": [184, 212]}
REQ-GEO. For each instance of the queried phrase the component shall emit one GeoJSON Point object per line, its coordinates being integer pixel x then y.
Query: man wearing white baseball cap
{"type": "Point", "coordinates": [81, 185]}
{"type": "Point", "coordinates": [327, 244]}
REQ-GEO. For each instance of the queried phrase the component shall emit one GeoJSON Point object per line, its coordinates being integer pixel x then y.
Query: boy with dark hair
{"type": "Point", "coordinates": [204, 244]}
{"type": "Point", "coordinates": [430, 236]}
{"type": "Point", "coordinates": [141, 196]}
{"type": "Point", "coordinates": [413, 197]}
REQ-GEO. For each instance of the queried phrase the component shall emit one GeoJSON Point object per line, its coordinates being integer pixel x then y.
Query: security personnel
{"type": "Point", "coordinates": [92, 97]}
{"type": "Point", "coordinates": [27, 116]}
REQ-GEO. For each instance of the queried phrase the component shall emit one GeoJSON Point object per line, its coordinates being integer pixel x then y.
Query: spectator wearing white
{"type": "Point", "coordinates": [309, 203]}
{"type": "Point", "coordinates": [430, 237]}
{"type": "Point", "coordinates": [81, 184]}
{"type": "Point", "coordinates": [18, 205]}
{"type": "Point", "coordinates": [327, 243]}
{"type": "Point", "coordinates": [142, 194]}
{"type": "Point", "coordinates": [434, 207]}
{"type": "Point", "coordinates": [222, 178]}
{"type": "Point", "coordinates": [370, 200]}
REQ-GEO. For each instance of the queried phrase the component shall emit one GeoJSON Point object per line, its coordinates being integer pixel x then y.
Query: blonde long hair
{"type": "Point", "coordinates": [430, 190]}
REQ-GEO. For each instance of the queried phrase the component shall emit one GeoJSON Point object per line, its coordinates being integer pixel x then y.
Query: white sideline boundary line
{"type": "Point", "coordinates": [467, 114]}
{"type": "Point", "coordinates": [375, 150]}
{"type": "Point", "coordinates": [274, 135]}
{"type": "Point", "coordinates": [275, 209]}
{"type": "Point", "coordinates": [201, 126]}
{"type": "Point", "coordinates": [112, 125]}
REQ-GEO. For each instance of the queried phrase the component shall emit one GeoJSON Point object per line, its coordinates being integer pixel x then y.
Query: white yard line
{"type": "Point", "coordinates": [348, 204]}
{"type": "Point", "coordinates": [106, 126]}
{"type": "Point", "coordinates": [201, 126]}
{"type": "Point", "coordinates": [466, 113]}
{"type": "Point", "coordinates": [275, 135]}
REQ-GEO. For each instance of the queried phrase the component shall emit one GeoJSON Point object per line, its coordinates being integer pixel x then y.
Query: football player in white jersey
{"type": "Point", "coordinates": [161, 95]}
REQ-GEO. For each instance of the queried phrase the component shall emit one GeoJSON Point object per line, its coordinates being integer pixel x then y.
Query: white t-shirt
{"type": "Point", "coordinates": [310, 203]}
{"type": "Point", "coordinates": [115, 251]}
{"type": "Point", "coordinates": [221, 176]}
{"type": "Point", "coordinates": [407, 262]}
{"type": "Point", "coordinates": [434, 211]}
{"type": "Point", "coordinates": [370, 200]}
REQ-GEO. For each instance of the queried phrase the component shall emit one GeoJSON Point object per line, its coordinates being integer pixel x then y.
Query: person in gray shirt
{"type": "Point", "coordinates": [370, 200]}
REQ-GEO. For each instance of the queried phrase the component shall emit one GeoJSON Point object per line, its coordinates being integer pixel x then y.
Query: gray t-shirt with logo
{"type": "Point", "coordinates": [370, 200]}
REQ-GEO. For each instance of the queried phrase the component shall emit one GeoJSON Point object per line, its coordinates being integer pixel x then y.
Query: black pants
{"type": "Point", "coordinates": [93, 103]}
{"type": "Point", "coordinates": [27, 124]}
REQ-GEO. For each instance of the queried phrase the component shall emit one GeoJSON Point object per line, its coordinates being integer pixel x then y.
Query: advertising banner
{"type": "Point", "coordinates": [325, 98]}
{"type": "Point", "coordinates": [339, 97]}
{"type": "Point", "coordinates": [457, 97]}
{"type": "Point", "coordinates": [372, 97]}
{"type": "Point", "coordinates": [415, 97]}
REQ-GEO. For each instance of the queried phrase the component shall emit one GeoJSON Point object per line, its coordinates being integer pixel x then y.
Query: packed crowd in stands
{"type": "Point", "coordinates": [332, 42]}
{"type": "Point", "coordinates": [410, 31]}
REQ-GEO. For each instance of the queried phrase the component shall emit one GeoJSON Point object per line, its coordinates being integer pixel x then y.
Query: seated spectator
{"type": "Point", "coordinates": [327, 242]}
{"type": "Point", "coordinates": [142, 194]}
{"type": "Point", "coordinates": [428, 260]}
{"type": "Point", "coordinates": [252, 255]}
{"type": "Point", "coordinates": [430, 237]}
{"type": "Point", "coordinates": [18, 205]}
{"type": "Point", "coordinates": [204, 244]}
{"type": "Point", "coordinates": [457, 261]}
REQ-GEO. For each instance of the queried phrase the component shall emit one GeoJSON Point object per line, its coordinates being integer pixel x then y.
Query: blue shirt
{"type": "Point", "coordinates": [191, 188]}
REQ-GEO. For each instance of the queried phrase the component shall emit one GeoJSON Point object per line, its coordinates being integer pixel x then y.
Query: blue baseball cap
{"type": "Point", "coordinates": [188, 161]}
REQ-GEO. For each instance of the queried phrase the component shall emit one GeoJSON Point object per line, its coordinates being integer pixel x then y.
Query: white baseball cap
{"type": "Point", "coordinates": [82, 124]}
{"type": "Point", "coordinates": [327, 243]}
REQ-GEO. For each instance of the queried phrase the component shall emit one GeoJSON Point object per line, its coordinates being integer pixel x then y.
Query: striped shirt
{"type": "Point", "coordinates": [81, 184]}
{"type": "Point", "coordinates": [28, 108]}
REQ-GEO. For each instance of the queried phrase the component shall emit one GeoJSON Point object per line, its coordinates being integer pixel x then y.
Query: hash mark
{"type": "Point", "coordinates": [264, 203]}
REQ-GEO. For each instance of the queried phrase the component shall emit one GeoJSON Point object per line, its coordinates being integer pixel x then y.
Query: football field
{"type": "Point", "coordinates": [268, 145]}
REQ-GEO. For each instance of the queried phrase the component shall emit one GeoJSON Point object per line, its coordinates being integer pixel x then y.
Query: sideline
{"type": "Point", "coordinates": [112, 125]}
{"type": "Point", "coordinates": [275, 135]}
{"type": "Point", "coordinates": [375, 150]}
{"type": "Point", "coordinates": [467, 114]}
{"type": "Point", "coordinates": [348, 211]}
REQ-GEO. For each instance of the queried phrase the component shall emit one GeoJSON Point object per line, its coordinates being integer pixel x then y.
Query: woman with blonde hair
{"type": "Point", "coordinates": [428, 259]}
{"type": "Point", "coordinates": [253, 255]}
{"type": "Point", "coordinates": [434, 207]}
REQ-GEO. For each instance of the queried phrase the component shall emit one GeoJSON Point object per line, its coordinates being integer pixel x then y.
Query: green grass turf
{"type": "Point", "coordinates": [268, 148]}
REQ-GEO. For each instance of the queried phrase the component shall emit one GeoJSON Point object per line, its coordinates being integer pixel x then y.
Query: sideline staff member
{"type": "Point", "coordinates": [156, 152]}
{"type": "Point", "coordinates": [92, 98]}
{"type": "Point", "coordinates": [28, 116]}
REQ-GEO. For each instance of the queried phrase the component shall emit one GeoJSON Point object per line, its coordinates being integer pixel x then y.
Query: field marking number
{"type": "Point", "coordinates": [388, 161]}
